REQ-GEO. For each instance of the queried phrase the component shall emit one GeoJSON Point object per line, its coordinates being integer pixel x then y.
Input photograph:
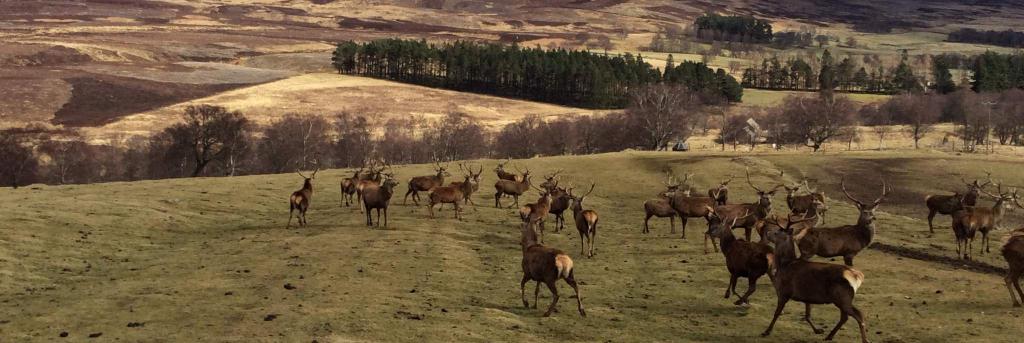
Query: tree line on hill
{"type": "Point", "coordinates": [567, 77]}
{"type": "Point", "coordinates": [1007, 38]}
{"type": "Point", "coordinates": [747, 29]}
{"type": "Point", "coordinates": [846, 75]}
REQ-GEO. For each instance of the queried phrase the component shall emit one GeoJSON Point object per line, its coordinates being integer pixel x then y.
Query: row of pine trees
{"type": "Point", "coordinates": [567, 77]}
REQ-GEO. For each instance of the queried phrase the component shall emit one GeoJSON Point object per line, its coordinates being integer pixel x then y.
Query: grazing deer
{"type": "Point", "coordinates": [547, 265]}
{"type": "Point", "coordinates": [692, 207]}
{"type": "Point", "coordinates": [379, 197]}
{"type": "Point", "coordinates": [846, 241]}
{"type": "Point", "coordinates": [742, 258]}
{"type": "Point", "coordinates": [661, 206]}
{"type": "Point", "coordinates": [502, 174]}
{"type": "Point", "coordinates": [586, 221]}
{"type": "Point", "coordinates": [348, 187]}
{"type": "Point", "coordinates": [1013, 252]}
{"type": "Point", "coordinates": [721, 193]}
{"type": "Point", "coordinates": [426, 183]}
{"type": "Point", "coordinates": [300, 199]}
{"type": "Point", "coordinates": [812, 283]}
{"type": "Point", "coordinates": [452, 194]}
{"type": "Point", "coordinates": [474, 180]}
{"type": "Point", "coordinates": [972, 219]}
{"type": "Point", "coordinates": [536, 213]}
{"type": "Point", "coordinates": [513, 188]}
{"type": "Point", "coordinates": [801, 204]}
{"type": "Point", "coordinates": [948, 204]}
{"type": "Point", "coordinates": [757, 211]}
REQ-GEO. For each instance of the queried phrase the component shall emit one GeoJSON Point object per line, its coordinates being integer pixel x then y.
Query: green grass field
{"type": "Point", "coordinates": [208, 260]}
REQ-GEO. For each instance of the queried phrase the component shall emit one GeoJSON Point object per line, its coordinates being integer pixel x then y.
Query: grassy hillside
{"type": "Point", "coordinates": [208, 260]}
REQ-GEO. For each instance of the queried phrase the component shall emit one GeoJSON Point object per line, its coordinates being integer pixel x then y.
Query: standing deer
{"type": "Point", "coordinates": [379, 197]}
{"type": "Point", "coordinates": [692, 207]}
{"type": "Point", "coordinates": [846, 241]}
{"type": "Point", "coordinates": [371, 178]}
{"type": "Point", "coordinates": [513, 188]}
{"type": "Point", "coordinates": [474, 180]}
{"type": "Point", "coordinates": [547, 265]}
{"type": "Point", "coordinates": [757, 211]}
{"type": "Point", "coordinates": [972, 219]}
{"type": "Point", "coordinates": [661, 206]}
{"type": "Point", "coordinates": [453, 194]}
{"type": "Point", "coordinates": [425, 183]}
{"type": "Point", "coordinates": [742, 258]}
{"type": "Point", "coordinates": [948, 204]}
{"type": "Point", "coordinates": [1013, 252]}
{"type": "Point", "coordinates": [721, 193]}
{"type": "Point", "coordinates": [586, 221]}
{"type": "Point", "coordinates": [348, 187]}
{"type": "Point", "coordinates": [536, 213]}
{"type": "Point", "coordinates": [502, 174]}
{"type": "Point", "coordinates": [801, 204]}
{"type": "Point", "coordinates": [813, 283]}
{"type": "Point", "coordinates": [774, 223]}
{"type": "Point", "coordinates": [300, 199]}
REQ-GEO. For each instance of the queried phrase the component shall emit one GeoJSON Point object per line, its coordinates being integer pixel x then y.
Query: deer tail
{"type": "Point", "coordinates": [564, 265]}
{"type": "Point", "coordinates": [854, 277]}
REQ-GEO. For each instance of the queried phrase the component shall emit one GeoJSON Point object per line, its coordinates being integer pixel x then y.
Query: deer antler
{"type": "Point", "coordinates": [842, 184]}
{"type": "Point", "coordinates": [747, 170]}
{"type": "Point", "coordinates": [885, 191]}
{"type": "Point", "coordinates": [726, 182]}
{"type": "Point", "coordinates": [300, 174]}
{"type": "Point", "coordinates": [592, 185]}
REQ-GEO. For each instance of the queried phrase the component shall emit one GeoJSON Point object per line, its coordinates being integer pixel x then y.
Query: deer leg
{"type": "Point", "coordinates": [431, 207]}
{"type": "Point", "coordinates": [405, 200]}
{"type": "Point", "coordinates": [583, 243]}
{"type": "Point", "coordinates": [579, 300]}
{"type": "Point", "coordinates": [497, 203]}
{"type": "Point", "coordinates": [751, 287]}
{"type": "Point", "coordinates": [748, 231]}
{"type": "Point", "coordinates": [515, 202]}
{"type": "Point", "coordinates": [931, 215]}
{"type": "Point", "coordinates": [807, 318]}
{"type": "Point", "coordinates": [682, 227]}
{"type": "Point", "coordinates": [385, 217]}
{"type": "Point", "coordinates": [378, 217]}
{"type": "Point", "coordinates": [848, 260]}
{"type": "Point", "coordinates": [859, 317]}
{"type": "Point", "coordinates": [458, 211]}
{"type": "Point", "coordinates": [369, 219]}
{"type": "Point", "coordinates": [290, 214]}
{"type": "Point", "coordinates": [554, 298]}
{"type": "Point", "coordinates": [536, 294]}
{"type": "Point", "coordinates": [1011, 282]}
{"type": "Point", "coordinates": [522, 289]}
{"type": "Point", "coordinates": [732, 284]}
{"type": "Point", "coordinates": [778, 311]}
{"type": "Point", "coordinates": [672, 223]}
{"type": "Point", "coordinates": [593, 239]}
{"type": "Point", "coordinates": [984, 238]}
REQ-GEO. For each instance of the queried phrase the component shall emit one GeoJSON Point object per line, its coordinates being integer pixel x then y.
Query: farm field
{"type": "Point", "coordinates": [209, 259]}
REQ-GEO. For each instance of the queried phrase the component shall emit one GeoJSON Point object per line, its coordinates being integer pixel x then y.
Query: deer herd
{"type": "Point", "coordinates": [794, 276]}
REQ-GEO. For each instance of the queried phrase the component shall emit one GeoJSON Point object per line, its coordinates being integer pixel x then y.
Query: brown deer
{"type": "Point", "coordinates": [300, 199]}
{"type": "Point", "coordinates": [972, 219]}
{"type": "Point", "coordinates": [348, 187]}
{"type": "Point", "coordinates": [586, 221]}
{"type": "Point", "coordinates": [687, 206]}
{"type": "Point", "coordinates": [536, 213]}
{"type": "Point", "coordinates": [801, 204]}
{"type": "Point", "coordinates": [370, 178]}
{"type": "Point", "coordinates": [721, 193]}
{"type": "Point", "coordinates": [661, 206]}
{"type": "Point", "coordinates": [757, 211]}
{"type": "Point", "coordinates": [742, 258]}
{"type": "Point", "coordinates": [547, 265]}
{"type": "Point", "coordinates": [846, 241]}
{"type": "Point", "coordinates": [502, 174]}
{"type": "Point", "coordinates": [379, 197]}
{"type": "Point", "coordinates": [474, 180]}
{"type": "Point", "coordinates": [948, 204]}
{"type": "Point", "coordinates": [513, 188]}
{"type": "Point", "coordinates": [774, 223]}
{"type": "Point", "coordinates": [812, 283]}
{"type": "Point", "coordinates": [1013, 252]}
{"type": "Point", "coordinates": [426, 183]}
{"type": "Point", "coordinates": [453, 194]}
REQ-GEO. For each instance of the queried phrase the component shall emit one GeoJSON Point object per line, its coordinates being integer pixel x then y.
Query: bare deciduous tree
{"type": "Point", "coordinates": [294, 142]}
{"type": "Point", "coordinates": [661, 112]}
{"type": "Point", "coordinates": [18, 165]}
{"type": "Point", "coordinates": [814, 121]}
{"type": "Point", "coordinates": [208, 132]}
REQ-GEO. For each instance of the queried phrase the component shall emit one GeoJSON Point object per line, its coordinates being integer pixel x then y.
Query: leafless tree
{"type": "Point", "coordinates": [210, 132]}
{"type": "Point", "coordinates": [70, 161]}
{"type": "Point", "coordinates": [355, 140]}
{"type": "Point", "coordinates": [18, 164]}
{"type": "Point", "coordinates": [814, 121]}
{"type": "Point", "coordinates": [294, 142]}
{"type": "Point", "coordinates": [662, 112]}
{"type": "Point", "coordinates": [456, 137]}
{"type": "Point", "coordinates": [918, 112]}
{"type": "Point", "coordinates": [519, 139]}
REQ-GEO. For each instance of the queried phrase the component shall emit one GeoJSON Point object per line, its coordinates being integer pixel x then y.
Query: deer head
{"type": "Point", "coordinates": [722, 186]}
{"type": "Point", "coordinates": [577, 201]}
{"type": "Point", "coordinates": [867, 210]}
{"type": "Point", "coordinates": [551, 180]}
{"type": "Point", "coordinates": [716, 225]}
{"type": "Point", "coordinates": [308, 181]}
{"type": "Point", "coordinates": [764, 197]}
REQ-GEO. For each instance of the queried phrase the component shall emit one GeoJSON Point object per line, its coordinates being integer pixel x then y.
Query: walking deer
{"type": "Point", "coordinates": [586, 221]}
{"type": "Point", "coordinates": [757, 211]}
{"type": "Point", "coordinates": [474, 180]}
{"type": "Point", "coordinates": [547, 265]}
{"type": "Point", "coordinates": [426, 183]}
{"type": "Point", "coordinates": [813, 283]}
{"type": "Point", "coordinates": [513, 188]}
{"type": "Point", "coordinates": [452, 194]}
{"type": "Point", "coordinates": [847, 240]}
{"type": "Point", "coordinates": [299, 200]}
{"type": "Point", "coordinates": [742, 258]}
{"type": "Point", "coordinates": [692, 207]}
{"type": "Point", "coordinates": [948, 204]}
{"type": "Point", "coordinates": [537, 212]}
{"type": "Point", "coordinates": [1013, 252]}
{"type": "Point", "coordinates": [661, 206]}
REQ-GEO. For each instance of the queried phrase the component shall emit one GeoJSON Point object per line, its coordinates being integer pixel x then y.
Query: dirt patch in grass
{"type": "Point", "coordinates": [97, 99]}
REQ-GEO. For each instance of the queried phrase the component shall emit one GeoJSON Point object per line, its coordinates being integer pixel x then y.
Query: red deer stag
{"type": "Point", "coordinates": [774, 223]}
{"type": "Point", "coordinates": [348, 187]}
{"type": "Point", "coordinates": [742, 258]}
{"type": "Point", "coordinates": [973, 219]}
{"type": "Point", "coordinates": [371, 178]}
{"type": "Point", "coordinates": [426, 183]}
{"type": "Point", "coordinates": [379, 197]}
{"type": "Point", "coordinates": [948, 204]}
{"type": "Point", "coordinates": [661, 206]}
{"type": "Point", "coordinates": [535, 213]}
{"type": "Point", "coordinates": [513, 188]}
{"type": "Point", "coordinates": [1013, 252]}
{"type": "Point", "coordinates": [801, 204]}
{"type": "Point", "coordinates": [758, 210]}
{"type": "Point", "coordinates": [721, 193]}
{"type": "Point", "coordinates": [559, 199]}
{"type": "Point", "coordinates": [687, 206]}
{"type": "Point", "coordinates": [586, 221]}
{"type": "Point", "coordinates": [547, 265]}
{"type": "Point", "coordinates": [474, 180]}
{"type": "Point", "coordinates": [813, 283]}
{"type": "Point", "coordinates": [848, 240]}
{"type": "Point", "coordinates": [502, 174]}
{"type": "Point", "coordinates": [300, 199]}
{"type": "Point", "coordinates": [453, 194]}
